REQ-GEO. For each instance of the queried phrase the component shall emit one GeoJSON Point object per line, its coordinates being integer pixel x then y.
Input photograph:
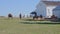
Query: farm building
{"type": "Point", "coordinates": [47, 8]}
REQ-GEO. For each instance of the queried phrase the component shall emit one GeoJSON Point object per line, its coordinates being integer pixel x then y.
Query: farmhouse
{"type": "Point", "coordinates": [47, 8]}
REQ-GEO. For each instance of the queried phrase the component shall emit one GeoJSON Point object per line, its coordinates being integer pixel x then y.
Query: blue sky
{"type": "Point", "coordinates": [16, 7]}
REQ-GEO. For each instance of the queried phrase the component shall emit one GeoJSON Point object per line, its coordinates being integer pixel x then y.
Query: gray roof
{"type": "Point", "coordinates": [50, 0]}
{"type": "Point", "coordinates": [57, 8]}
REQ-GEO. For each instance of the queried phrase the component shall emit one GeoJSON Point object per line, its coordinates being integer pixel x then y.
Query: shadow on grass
{"type": "Point", "coordinates": [38, 23]}
{"type": "Point", "coordinates": [55, 20]}
{"type": "Point", "coordinates": [42, 20]}
{"type": "Point", "coordinates": [31, 21]}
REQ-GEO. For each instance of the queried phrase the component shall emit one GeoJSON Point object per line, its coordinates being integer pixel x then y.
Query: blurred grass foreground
{"type": "Point", "coordinates": [28, 26]}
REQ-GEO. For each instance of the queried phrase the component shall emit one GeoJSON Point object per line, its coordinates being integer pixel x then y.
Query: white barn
{"type": "Point", "coordinates": [48, 8]}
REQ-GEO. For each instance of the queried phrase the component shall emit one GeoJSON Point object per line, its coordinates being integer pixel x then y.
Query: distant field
{"type": "Point", "coordinates": [17, 26]}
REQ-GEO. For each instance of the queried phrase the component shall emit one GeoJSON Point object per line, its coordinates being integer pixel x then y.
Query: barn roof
{"type": "Point", "coordinates": [57, 8]}
{"type": "Point", "coordinates": [52, 2]}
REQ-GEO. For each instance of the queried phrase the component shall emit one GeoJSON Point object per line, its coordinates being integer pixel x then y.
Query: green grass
{"type": "Point", "coordinates": [15, 26]}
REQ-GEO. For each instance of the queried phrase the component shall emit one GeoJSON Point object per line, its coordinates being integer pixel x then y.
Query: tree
{"type": "Point", "coordinates": [10, 15]}
{"type": "Point", "coordinates": [35, 14]}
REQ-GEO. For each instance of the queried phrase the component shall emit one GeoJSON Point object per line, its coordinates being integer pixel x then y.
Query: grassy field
{"type": "Point", "coordinates": [15, 26]}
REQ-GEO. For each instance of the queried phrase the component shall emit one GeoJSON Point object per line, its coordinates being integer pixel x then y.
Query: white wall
{"type": "Point", "coordinates": [41, 9]}
{"type": "Point", "coordinates": [49, 11]}
{"type": "Point", "coordinates": [45, 10]}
